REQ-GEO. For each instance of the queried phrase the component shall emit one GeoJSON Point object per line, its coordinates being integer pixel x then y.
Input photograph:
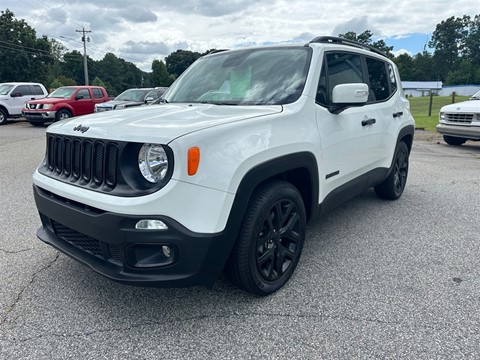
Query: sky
{"type": "Point", "coordinates": [141, 31]}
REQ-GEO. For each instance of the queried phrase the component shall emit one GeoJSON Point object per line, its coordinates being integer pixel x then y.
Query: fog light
{"type": "Point", "coordinates": [149, 224]}
{"type": "Point", "coordinates": [151, 255]}
{"type": "Point", "coordinates": [166, 251]}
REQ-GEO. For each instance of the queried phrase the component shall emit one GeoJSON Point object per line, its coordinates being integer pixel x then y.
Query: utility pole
{"type": "Point", "coordinates": [85, 39]}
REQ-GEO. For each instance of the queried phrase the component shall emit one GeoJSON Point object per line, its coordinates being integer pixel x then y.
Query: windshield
{"type": "Point", "coordinates": [476, 96]}
{"type": "Point", "coordinates": [133, 95]}
{"type": "Point", "coordinates": [246, 77]}
{"type": "Point", "coordinates": [5, 88]}
{"type": "Point", "coordinates": [62, 93]}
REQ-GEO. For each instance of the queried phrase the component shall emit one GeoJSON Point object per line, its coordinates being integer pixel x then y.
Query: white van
{"type": "Point", "coordinates": [13, 96]}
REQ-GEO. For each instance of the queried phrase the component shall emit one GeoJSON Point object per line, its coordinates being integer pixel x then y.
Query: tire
{"type": "Point", "coordinates": [62, 115]}
{"type": "Point", "coordinates": [392, 187]}
{"type": "Point", "coordinates": [3, 117]}
{"type": "Point", "coordinates": [452, 140]}
{"type": "Point", "coordinates": [270, 241]}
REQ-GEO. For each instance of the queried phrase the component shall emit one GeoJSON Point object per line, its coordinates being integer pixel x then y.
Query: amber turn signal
{"type": "Point", "coordinates": [193, 160]}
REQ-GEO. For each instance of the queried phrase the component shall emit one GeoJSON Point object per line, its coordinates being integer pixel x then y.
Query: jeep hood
{"type": "Point", "coordinates": [157, 123]}
{"type": "Point", "coordinates": [470, 106]}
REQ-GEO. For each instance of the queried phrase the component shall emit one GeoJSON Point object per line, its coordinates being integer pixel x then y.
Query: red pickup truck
{"type": "Point", "coordinates": [63, 103]}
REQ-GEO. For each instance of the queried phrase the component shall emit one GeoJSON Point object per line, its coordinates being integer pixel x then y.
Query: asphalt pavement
{"type": "Point", "coordinates": [377, 279]}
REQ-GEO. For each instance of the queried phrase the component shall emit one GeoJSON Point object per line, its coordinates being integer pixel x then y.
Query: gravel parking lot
{"type": "Point", "coordinates": [377, 279]}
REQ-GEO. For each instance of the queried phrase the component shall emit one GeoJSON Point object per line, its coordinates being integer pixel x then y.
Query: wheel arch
{"type": "Point", "coordinates": [4, 108]}
{"type": "Point", "coordinates": [406, 135]}
{"type": "Point", "coordinates": [299, 169]}
{"type": "Point", "coordinates": [66, 107]}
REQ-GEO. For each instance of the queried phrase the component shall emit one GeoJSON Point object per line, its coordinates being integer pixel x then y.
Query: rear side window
{"type": "Point", "coordinates": [382, 79]}
{"type": "Point", "coordinates": [343, 68]}
{"type": "Point", "coordinates": [97, 93]}
{"type": "Point", "coordinates": [37, 90]}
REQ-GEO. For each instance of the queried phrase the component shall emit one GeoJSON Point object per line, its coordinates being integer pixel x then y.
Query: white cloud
{"type": "Point", "coordinates": [138, 29]}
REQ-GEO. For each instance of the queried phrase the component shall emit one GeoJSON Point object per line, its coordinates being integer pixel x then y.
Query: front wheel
{"type": "Point", "coordinates": [392, 187]}
{"type": "Point", "coordinates": [452, 140]}
{"type": "Point", "coordinates": [271, 239]}
{"type": "Point", "coordinates": [3, 117]}
{"type": "Point", "coordinates": [62, 115]}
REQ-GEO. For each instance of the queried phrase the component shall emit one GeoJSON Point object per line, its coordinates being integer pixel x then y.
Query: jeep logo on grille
{"type": "Point", "coordinates": [81, 128]}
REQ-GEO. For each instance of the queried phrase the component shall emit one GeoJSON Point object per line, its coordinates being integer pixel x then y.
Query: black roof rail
{"type": "Point", "coordinates": [338, 40]}
{"type": "Point", "coordinates": [217, 51]}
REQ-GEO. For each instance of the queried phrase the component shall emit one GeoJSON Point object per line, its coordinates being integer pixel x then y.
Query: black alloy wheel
{"type": "Point", "coordinates": [394, 185]}
{"type": "Point", "coordinates": [271, 239]}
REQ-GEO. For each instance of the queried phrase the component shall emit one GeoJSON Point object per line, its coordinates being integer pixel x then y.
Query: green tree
{"type": "Point", "coordinates": [62, 80]}
{"type": "Point", "coordinates": [464, 74]}
{"type": "Point", "coordinates": [98, 82]}
{"type": "Point", "coordinates": [23, 56]}
{"type": "Point", "coordinates": [472, 42]}
{"type": "Point", "coordinates": [160, 74]}
{"type": "Point", "coordinates": [73, 66]}
{"type": "Point", "coordinates": [448, 40]}
{"type": "Point", "coordinates": [405, 67]}
{"type": "Point", "coordinates": [178, 61]}
{"type": "Point", "coordinates": [366, 38]}
{"type": "Point", "coordinates": [423, 67]}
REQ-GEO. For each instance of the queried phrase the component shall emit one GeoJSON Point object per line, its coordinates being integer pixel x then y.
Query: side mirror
{"type": "Point", "coordinates": [347, 95]}
{"type": "Point", "coordinates": [149, 99]}
{"type": "Point", "coordinates": [78, 97]}
{"type": "Point", "coordinates": [17, 94]}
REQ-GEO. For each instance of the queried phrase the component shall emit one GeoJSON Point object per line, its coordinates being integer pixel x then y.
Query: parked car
{"type": "Point", "coordinates": [461, 121]}
{"type": "Point", "coordinates": [249, 146]}
{"type": "Point", "coordinates": [13, 96]}
{"type": "Point", "coordinates": [63, 103]}
{"type": "Point", "coordinates": [130, 98]}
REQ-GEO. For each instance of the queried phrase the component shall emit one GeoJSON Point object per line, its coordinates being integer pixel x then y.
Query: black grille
{"type": "Point", "coordinates": [459, 118]}
{"type": "Point", "coordinates": [83, 160]}
{"type": "Point", "coordinates": [110, 252]}
{"type": "Point", "coordinates": [79, 240]}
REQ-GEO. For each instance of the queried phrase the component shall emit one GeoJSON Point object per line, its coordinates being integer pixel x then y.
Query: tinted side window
{"type": "Point", "coordinates": [379, 79]}
{"type": "Point", "coordinates": [83, 92]}
{"type": "Point", "coordinates": [23, 89]}
{"type": "Point", "coordinates": [37, 90]}
{"type": "Point", "coordinates": [97, 93]}
{"type": "Point", "coordinates": [338, 68]}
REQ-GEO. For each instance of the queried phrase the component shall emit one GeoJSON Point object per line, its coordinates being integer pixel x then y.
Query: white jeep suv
{"type": "Point", "coordinates": [249, 146]}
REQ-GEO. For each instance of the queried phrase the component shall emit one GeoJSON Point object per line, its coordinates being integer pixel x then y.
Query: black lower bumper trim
{"type": "Point", "coordinates": [107, 242]}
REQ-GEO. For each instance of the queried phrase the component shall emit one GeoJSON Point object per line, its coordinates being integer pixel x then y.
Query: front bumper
{"type": "Point", "coordinates": [467, 132]}
{"type": "Point", "coordinates": [109, 244]}
{"type": "Point", "coordinates": [39, 115]}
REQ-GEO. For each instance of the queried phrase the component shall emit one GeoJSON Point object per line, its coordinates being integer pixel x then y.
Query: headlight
{"type": "Point", "coordinates": [442, 116]}
{"type": "Point", "coordinates": [153, 162]}
{"type": "Point", "coordinates": [120, 107]}
{"type": "Point", "coordinates": [47, 106]}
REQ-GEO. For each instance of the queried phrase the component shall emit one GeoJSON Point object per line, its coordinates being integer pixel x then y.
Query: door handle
{"type": "Point", "coordinates": [368, 122]}
{"type": "Point", "coordinates": [398, 114]}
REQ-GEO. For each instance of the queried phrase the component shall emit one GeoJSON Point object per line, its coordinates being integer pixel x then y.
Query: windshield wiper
{"type": "Point", "coordinates": [218, 103]}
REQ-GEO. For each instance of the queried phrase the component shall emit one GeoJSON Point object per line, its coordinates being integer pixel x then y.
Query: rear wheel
{"type": "Point", "coordinates": [452, 140]}
{"type": "Point", "coordinates": [3, 117]}
{"type": "Point", "coordinates": [62, 115]}
{"type": "Point", "coordinates": [271, 239]}
{"type": "Point", "coordinates": [392, 187]}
